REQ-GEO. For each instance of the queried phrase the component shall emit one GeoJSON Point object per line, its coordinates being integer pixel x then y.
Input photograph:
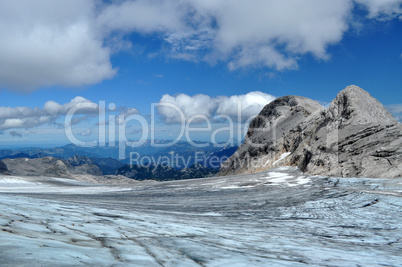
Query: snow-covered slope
{"type": "Point", "coordinates": [277, 218]}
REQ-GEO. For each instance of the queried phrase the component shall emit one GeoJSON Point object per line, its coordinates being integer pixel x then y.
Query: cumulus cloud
{"type": "Point", "coordinates": [50, 43]}
{"type": "Point", "coordinates": [250, 105]}
{"type": "Point", "coordinates": [69, 43]}
{"type": "Point", "coordinates": [277, 32]}
{"type": "Point", "coordinates": [262, 34]}
{"type": "Point", "coordinates": [26, 117]}
{"type": "Point", "coordinates": [182, 107]}
{"type": "Point", "coordinates": [186, 107]}
{"type": "Point", "coordinates": [142, 16]}
{"type": "Point", "coordinates": [382, 9]}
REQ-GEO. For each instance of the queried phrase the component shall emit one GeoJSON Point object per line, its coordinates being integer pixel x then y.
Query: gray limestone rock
{"type": "Point", "coordinates": [265, 138]}
{"type": "Point", "coordinates": [48, 166]}
{"type": "Point", "coordinates": [3, 168]}
{"type": "Point", "coordinates": [354, 106]}
{"type": "Point", "coordinates": [79, 160]}
{"type": "Point", "coordinates": [355, 137]}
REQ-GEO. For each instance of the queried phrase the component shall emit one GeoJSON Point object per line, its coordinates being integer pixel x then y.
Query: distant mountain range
{"type": "Point", "coordinates": [111, 150]}
{"type": "Point", "coordinates": [165, 173]}
{"type": "Point", "coordinates": [49, 166]}
{"type": "Point", "coordinates": [179, 161]}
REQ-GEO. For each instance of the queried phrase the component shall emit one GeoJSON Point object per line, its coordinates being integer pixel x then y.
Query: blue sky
{"type": "Point", "coordinates": [203, 56]}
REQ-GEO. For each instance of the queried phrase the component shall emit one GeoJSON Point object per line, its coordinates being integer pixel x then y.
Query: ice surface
{"type": "Point", "coordinates": [16, 184]}
{"type": "Point", "coordinates": [284, 155]}
{"type": "Point", "coordinates": [278, 218]}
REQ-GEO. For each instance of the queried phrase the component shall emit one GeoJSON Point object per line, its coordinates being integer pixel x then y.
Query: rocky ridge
{"type": "Point", "coordinates": [49, 166]}
{"type": "Point", "coordinates": [90, 170]}
{"type": "Point", "coordinates": [164, 172]}
{"type": "Point", "coordinates": [355, 137]}
{"type": "Point", "coordinates": [3, 168]}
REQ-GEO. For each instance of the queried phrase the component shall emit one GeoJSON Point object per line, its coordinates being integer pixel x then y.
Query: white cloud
{"type": "Point", "coordinates": [203, 106]}
{"type": "Point", "coordinates": [188, 106]}
{"type": "Point", "coordinates": [25, 117]}
{"type": "Point", "coordinates": [69, 43]}
{"type": "Point", "coordinates": [250, 105]}
{"type": "Point", "coordinates": [50, 43]}
{"type": "Point", "coordinates": [260, 34]}
{"type": "Point", "coordinates": [274, 33]}
{"type": "Point", "coordinates": [382, 9]}
{"type": "Point", "coordinates": [142, 16]}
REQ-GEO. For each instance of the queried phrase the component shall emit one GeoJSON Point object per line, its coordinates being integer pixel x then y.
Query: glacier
{"type": "Point", "coordinates": [277, 218]}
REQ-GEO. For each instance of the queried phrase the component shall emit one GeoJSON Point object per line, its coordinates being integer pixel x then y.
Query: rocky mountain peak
{"type": "Point", "coordinates": [355, 106]}
{"type": "Point", "coordinates": [79, 160]}
{"type": "Point", "coordinates": [355, 137]}
{"type": "Point", "coordinates": [282, 113]}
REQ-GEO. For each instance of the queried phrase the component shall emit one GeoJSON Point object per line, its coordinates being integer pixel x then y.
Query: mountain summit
{"type": "Point", "coordinates": [355, 137]}
{"type": "Point", "coordinates": [354, 106]}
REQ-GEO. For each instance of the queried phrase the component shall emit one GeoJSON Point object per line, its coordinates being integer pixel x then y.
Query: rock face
{"type": "Point", "coordinates": [355, 137]}
{"type": "Point", "coordinates": [48, 166]}
{"type": "Point", "coordinates": [80, 160]}
{"type": "Point", "coordinates": [3, 168]}
{"type": "Point", "coordinates": [165, 173]}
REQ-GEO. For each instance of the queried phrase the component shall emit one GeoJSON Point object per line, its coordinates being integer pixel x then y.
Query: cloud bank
{"type": "Point", "coordinates": [26, 117]}
{"type": "Point", "coordinates": [200, 107]}
{"type": "Point", "coordinates": [70, 43]}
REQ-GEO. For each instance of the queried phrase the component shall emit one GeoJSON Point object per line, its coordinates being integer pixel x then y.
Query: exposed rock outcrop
{"type": "Point", "coordinates": [3, 168]}
{"type": "Point", "coordinates": [80, 160]}
{"type": "Point", "coordinates": [49, 166]}
{"type": "Point", "coordinates": [355, 137]}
